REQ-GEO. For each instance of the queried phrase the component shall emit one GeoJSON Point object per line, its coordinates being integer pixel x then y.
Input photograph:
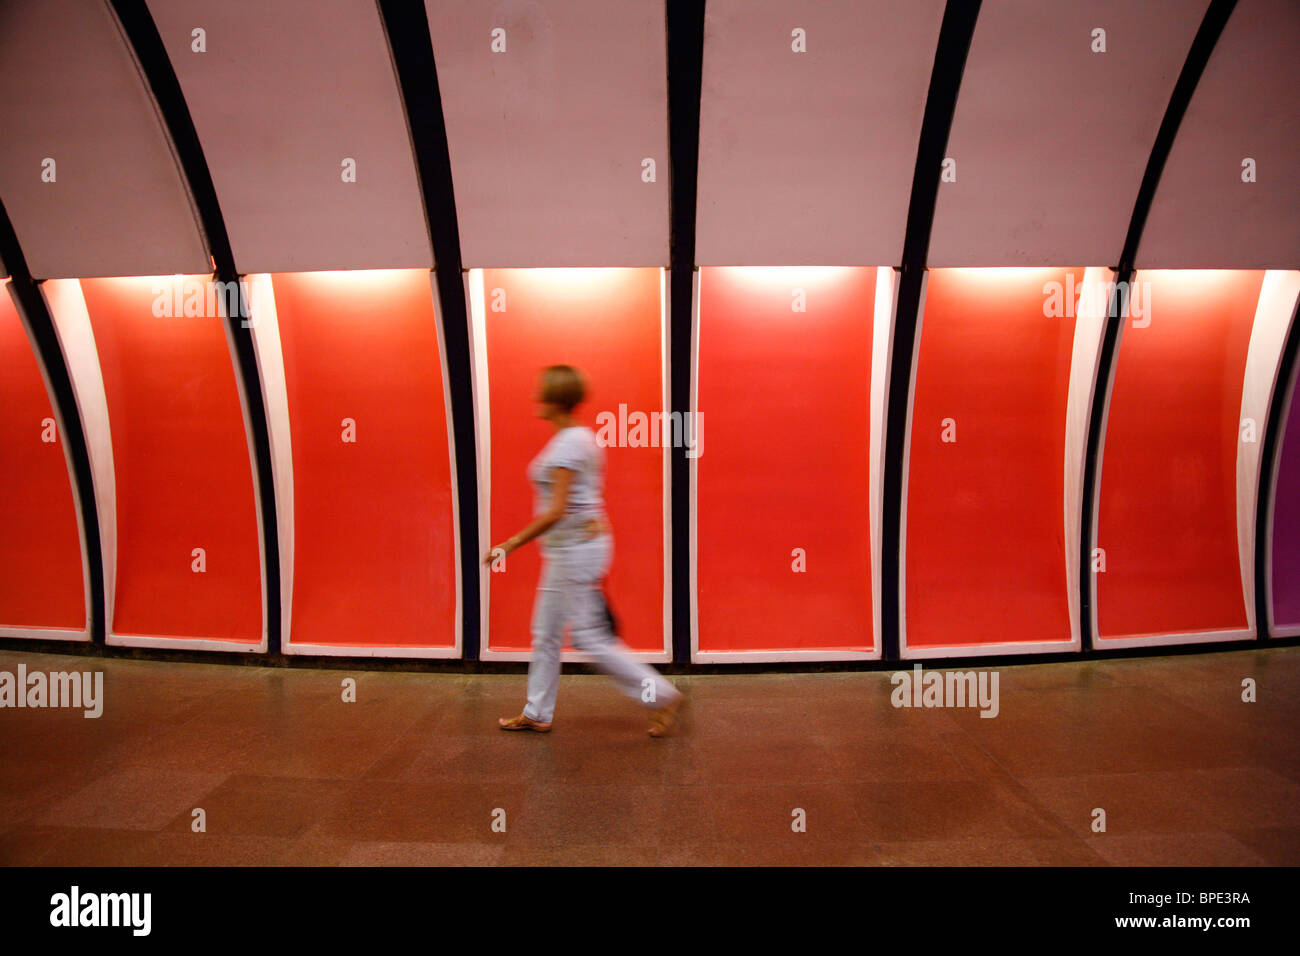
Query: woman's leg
{"type": "Point", "coordinates": [586, 565]}
{"type": "Point", "coordinates": [549, 613]}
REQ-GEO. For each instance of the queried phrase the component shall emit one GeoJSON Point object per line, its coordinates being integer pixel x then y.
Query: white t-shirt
{"type": "Point", "coordinates": [576, 449]}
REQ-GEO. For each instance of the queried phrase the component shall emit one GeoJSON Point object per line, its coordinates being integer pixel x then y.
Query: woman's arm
{"type": "Point", "coordinates": [559, 499]}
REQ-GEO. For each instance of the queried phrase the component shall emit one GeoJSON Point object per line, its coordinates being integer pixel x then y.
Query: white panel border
{"type": "Point", "coordinates": [67, 306]}
{"type": "Point", "coordinates": [1083, 368]}
{"type": "Point", "coordinates": [275, 391]}
{"type": "Point", "coordinates": [1189, 637]}
{"type": "Point", "coordinates": [475, 296]}
{"type": "Point", "coordinates": [264, 327]}
{"type": "Point", "coordinates": [1268, 331]}
{"type": "Point", "coordinates": [882, 333]}
{"type": "Point", "coordinates": [1085, 360]}
{"type": "Point", "coordinates": [1285, 284]}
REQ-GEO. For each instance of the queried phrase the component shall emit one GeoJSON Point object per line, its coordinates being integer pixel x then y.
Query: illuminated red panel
{"type": "Point", "coordinates": [785, 397]}
{"type": "Point", "coordinates": [985, 513]}
{"type": "Point", "coordinates": [606, 322]}
{"type": "Point", "coordinates": [1168, 520]}
{"type": "Point", "coordinates": [374, 533]}
{"type": "Point", "coordinates": [40, 548]}
{"type": "Point", "coordinates": [181, 462]}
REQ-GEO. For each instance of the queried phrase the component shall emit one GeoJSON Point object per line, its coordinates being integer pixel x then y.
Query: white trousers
{"type": "Point", "coordinates": [570, 593]}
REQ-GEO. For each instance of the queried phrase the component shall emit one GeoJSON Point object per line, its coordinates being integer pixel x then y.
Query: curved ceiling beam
{"type": "Point", "coordinates": [1216, 17]}
{"type": "Point", "coordinates": [941, 101]}
{"type": "Point", "coordinates": [685, 37]}
{"type": "Point", "coordinates": [407, 27]}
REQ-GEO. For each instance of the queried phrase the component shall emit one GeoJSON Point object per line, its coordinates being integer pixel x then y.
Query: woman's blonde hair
{"type": "Point", "coordinates": [563, 385]}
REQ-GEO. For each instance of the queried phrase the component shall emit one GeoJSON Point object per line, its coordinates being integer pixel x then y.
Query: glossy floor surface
{"type": "Point", "coordinates": [416, 771]}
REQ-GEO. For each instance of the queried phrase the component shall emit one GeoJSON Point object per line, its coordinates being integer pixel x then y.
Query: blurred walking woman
{"type": "Point", "coordinates": [577, 547]}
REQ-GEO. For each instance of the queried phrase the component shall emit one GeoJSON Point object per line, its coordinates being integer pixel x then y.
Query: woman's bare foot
{"type": "Point", "coordinates": [666, 718]}
{"type": "Point", "coordinates": [523, 722]}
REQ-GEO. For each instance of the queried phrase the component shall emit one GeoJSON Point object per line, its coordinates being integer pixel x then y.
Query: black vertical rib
{"type": "Point", "coordinates": [1283, 388]}
{"type": "Point", "coordinates": [141, 32]}
{"type": "Point", "coordinates": [151, 54]}
{"type": "Point", "coordinates": [73, 435]}
{"type": "Point", "coordinates": [1216, 16]}
{"type": "Point", "coordinates": [949, 61]}
{"type": "Point", "coordinates": [685, 36]}
{"type": "Point", "coordinates": [412, 47]}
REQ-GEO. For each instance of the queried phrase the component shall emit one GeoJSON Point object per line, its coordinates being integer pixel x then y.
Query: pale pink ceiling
{"type": "Point", "coordinates": [70, 91]}
{"type": "Point", "coordinates": [804, 158]}
{"type": "Point", "coordinates": [1051, 139]}
{"type": "Point", "coordinates": [1247, 104]}
{"type": "Point", "coordinates": [285, 92]}
{"type": "Point", "coordinates": [547, 139]}
{"type": "Point", "coordinates": [807, 158]}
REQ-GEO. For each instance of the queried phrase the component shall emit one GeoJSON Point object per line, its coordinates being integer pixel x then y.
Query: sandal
{"type": "Point", "coordinates": [667, 717]}
{"type": "Point", "coordinates": [523, 722]}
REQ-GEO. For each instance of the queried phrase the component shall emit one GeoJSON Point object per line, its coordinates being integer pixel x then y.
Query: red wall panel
{"type": "Point", "coordinates": [985, 513]}
{"type": "Point", "coordinates": [182, 469]}
{"type": "Point", "coordinates": [374, 533]}
{"type": "Point", "coordinates": [1167, 512]}
{"type": "Point", "coordinates": [785, 398]}
{"type": "Point", "coordinates": [41, 583]}
{"type": "Point", "coordinates": [607, 323]}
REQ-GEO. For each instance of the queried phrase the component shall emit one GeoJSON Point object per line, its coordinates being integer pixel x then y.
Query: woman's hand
{"type": "Point", "coordinates": [502, 549]}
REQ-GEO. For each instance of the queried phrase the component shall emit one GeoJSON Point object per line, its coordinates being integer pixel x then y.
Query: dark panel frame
{"type": "Point", "coordinates": [955, 32]}
{"type": "Point", "coordinates": [411, 44]}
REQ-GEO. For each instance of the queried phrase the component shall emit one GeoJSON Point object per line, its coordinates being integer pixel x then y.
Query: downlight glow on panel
{"type": "Point", "coordinates": [1068, 292]}
{"type": "Point", "coordinates": [185, 296]}
{"type": "Point", "coordinates": [171, 296]}
{"type": "Point", "coordinates": [1193, 280]}
{"type": "Point", "coordinates": [355, 280]}
{"type": "Point", "coordinates": [780, 277]}
{"type": "Point", "coordinates": [1000, 274]}
{"type": "Point", "coordinates": [593, 280]}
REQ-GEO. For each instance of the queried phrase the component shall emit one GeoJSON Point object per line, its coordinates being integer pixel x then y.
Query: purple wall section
{"type": "Point", "coordinates": [1286, 524]}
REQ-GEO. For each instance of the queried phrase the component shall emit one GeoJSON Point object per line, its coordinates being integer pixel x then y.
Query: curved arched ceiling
{"type": "Point", "coordinates": [87, 173]}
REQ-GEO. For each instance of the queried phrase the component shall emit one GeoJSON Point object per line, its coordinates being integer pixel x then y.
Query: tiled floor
{"type": "Point", "coordinates": [416, 771]}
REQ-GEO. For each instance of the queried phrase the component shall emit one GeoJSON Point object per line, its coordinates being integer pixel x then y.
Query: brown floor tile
{"type": "Point", "coordinates": [1171, 801]}
{"type": "Point", "coordinates": [411, 773]}
{"type": "Point", "coordinates": [988, 852]}
{"type": "Point", "coordinates": [132, 799]}
{"type": "Point", "coordinates": [1210, 848]}
{"type": "Point", "coordinates": [582, 855]}
{"type": "Point", "coordinates": [275, 807]}
{"type": "Point", "coordinates": [411, 812]}
{"type": "Point", "coordinates": [767, 814]}
{"type": "Point", "coordinates": [1279, 846]}
{"type": "Point", "coordinates": [791, 851]}
{"type": "Point", "coordinates": [583, 815]}
{"type": "Point", "coordinates": [424, 854]}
